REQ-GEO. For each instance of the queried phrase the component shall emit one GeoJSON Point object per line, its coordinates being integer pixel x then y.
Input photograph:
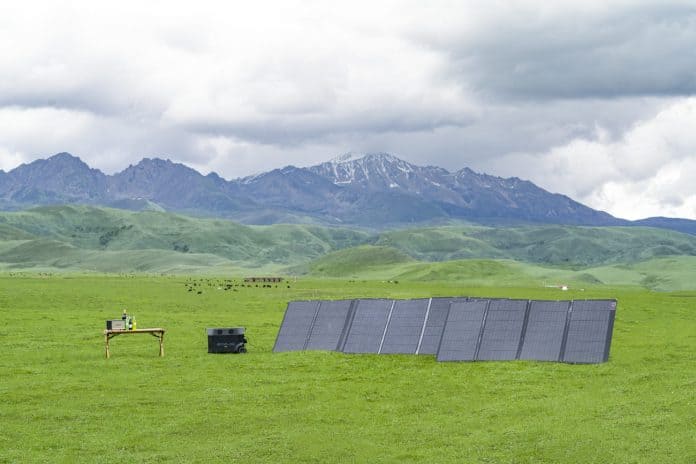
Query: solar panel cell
{"type": "Point", "coordinates": [297, 325]}
{"type": "Point", "coordinates": [502, 330]}
{"type": "Point", "coordinates": [328, 325]}
{"type": "Point", "coordinates": [366, 329]}
{"type": "Point", "coordinates": [461, 333]}
{"type": "Point", "coordinates": [434, 326]}
{"type": "Point", "coordinates": [589, 331]}
{"type": "Point", "coordinates": [543, 336]}
{"type": "Point", "coordinates": [405, 327]}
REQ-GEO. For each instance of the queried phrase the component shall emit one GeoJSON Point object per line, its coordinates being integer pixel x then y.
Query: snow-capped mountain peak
{"type": "Point", "coordinates": [376, 170]}
{"type": "Point", "coordinates": [356, 156]}
{"type": "Point", "coordinates": [347, 157]}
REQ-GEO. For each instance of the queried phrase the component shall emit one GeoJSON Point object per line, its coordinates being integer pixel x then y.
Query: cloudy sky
{"type": "Point", "coordinates": [593, 99]}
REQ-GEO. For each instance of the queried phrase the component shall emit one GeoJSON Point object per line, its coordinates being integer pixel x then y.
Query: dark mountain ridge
{"type": "Point", "coordinates": [61, 178]}
{"type": "Point", "coordinates": [372, 190]}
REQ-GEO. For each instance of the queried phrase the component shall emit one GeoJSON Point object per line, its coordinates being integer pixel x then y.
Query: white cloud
{"type": "Point", "coordinates": [20, 124]}
{"type": "Point", "coordinates": [9, 160]}
{"type": "Point", "coordinates": [105, 142]}
{"type": "Point", "coordinates": [646, 172]}
{"type": "Point", "coordinates": [265, 72]}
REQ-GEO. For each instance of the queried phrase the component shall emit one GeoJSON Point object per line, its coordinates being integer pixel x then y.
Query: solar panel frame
{"type": "Point", "coordinates": [296, 326]}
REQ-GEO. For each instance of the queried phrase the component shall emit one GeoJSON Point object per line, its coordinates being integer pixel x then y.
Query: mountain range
{"type": "Point", "coordinates": [377, 191]}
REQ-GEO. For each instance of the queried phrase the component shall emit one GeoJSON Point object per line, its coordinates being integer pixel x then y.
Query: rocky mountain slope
{"type": "Point", "coordinates": [368, 190]}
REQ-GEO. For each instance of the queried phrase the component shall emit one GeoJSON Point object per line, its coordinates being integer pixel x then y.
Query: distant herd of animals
{"type": "Point", "coordinates": [197, 285]}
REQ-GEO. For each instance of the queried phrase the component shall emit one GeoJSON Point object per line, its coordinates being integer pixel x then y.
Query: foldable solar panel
{"type": "Point", "coordinates": [366, 328]}
{"type": "Point", "coordinates": [502, 330]}
{"type": "Point", "coordinates": [405, 327]}
{"type": "Point", "coordinates": [543, 336]}
{"type": "Point", "coordinates": [460, 337]}
{"type": "Point", "coordinates": [457, 329]}
{"type": "Point", "coordinates": [328, 325]}
{"type": "Point", "coordinates": [589, 331]}
{"type": "Point", "coordinates": [297, 325]}
{"type": "Point", "coordinates": [435, 324]}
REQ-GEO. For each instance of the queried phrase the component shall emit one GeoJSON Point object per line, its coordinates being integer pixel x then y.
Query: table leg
{"type": "Point", "coordinates": [106, 345]}
{"type": "Point", "coordinates": [161, 343]}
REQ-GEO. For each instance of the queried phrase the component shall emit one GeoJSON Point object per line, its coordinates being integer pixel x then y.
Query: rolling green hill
{"type": "Point", "coordinates": [548, 245]}
{"type": "Point", "coordinates": [80, 238]}
{"type": "Point", "coordinates": [68, 231]}
{"type": "Point", "coordinates": [660, 274]}
{"type": "Point", "coordinates": [360, 260]}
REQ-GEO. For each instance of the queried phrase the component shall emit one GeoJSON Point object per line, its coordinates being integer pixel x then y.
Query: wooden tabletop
{"type": "Point", "coordinates": [120, 331]}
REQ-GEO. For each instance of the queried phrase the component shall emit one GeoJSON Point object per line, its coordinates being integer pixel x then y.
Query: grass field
{"type": "Point", "coordinates": [61, 401]}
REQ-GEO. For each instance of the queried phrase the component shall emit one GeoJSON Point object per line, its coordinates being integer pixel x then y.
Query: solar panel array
{"type": "Point", "coordinates": [454, 329]}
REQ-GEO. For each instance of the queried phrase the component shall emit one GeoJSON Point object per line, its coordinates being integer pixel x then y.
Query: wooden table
{"type": "Point", "coordinates": [157, 332]}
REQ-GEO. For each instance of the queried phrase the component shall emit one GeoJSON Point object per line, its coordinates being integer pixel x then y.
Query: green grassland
{"type": "Point", "coordinates": [61, 401]}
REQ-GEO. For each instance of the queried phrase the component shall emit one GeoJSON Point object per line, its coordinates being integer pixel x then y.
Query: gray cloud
{"type": "Point", "coordinates": [637, 50]}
